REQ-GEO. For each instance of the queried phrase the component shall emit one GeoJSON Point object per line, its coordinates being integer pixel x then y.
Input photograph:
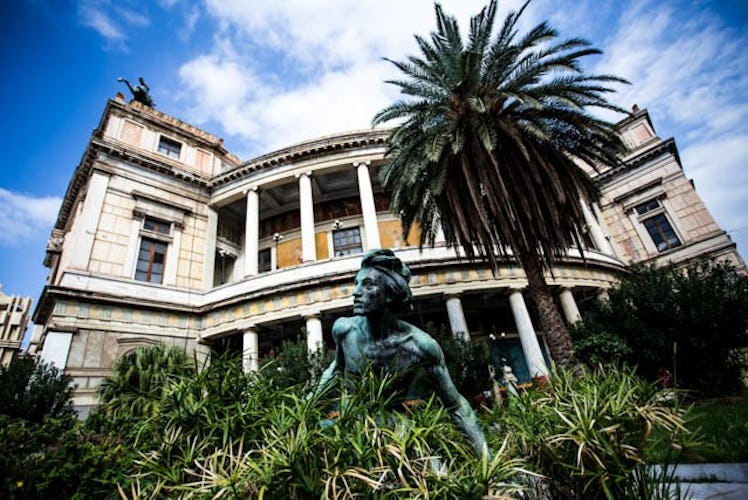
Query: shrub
{"type": "Point", "coordinates": [140, 380]}
{"type": "Point", "coordinates": [289, 448]}
{"type": "Point", "coordinates": [33, 390]}
{"type": "Point", "coordinates": [294, 365]}
{"type": "Point", "coordinates": [692, 322]}
{"type": "Point", "coordinates": [588, 435]}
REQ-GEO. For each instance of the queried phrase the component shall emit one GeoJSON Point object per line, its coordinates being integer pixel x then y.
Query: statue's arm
{"type": "Point", "coordinates": [461, 411]}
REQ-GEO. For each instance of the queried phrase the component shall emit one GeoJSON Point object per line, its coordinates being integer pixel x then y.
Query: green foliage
{"type": "Point", "coordinates": [589, 434]}
{"type": "Point", "coordinates": [289, 448]}
{"type": "Point", "coordinates": [32, 390]}
{"type": "Point", "coordinates": [596, 346]}
{"type": "Point", "coordinates": [49, 453]}
{"type": "Point", "coordinates": [142, 378]}
{"type": "Point", "coordinates": [294, 365]}
{"type": "Point", "coordinates": [689, 321]}
{"type": "Point", "coordinates": [467, 363]}
{"type": "Point", "coordinates": [60, 458]}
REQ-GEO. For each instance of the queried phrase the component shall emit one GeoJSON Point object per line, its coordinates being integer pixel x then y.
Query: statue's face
{"type": "Point", "coordinates": [369, 294]}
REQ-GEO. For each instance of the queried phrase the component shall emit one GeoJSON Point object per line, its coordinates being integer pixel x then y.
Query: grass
{"type": "Point", "coordinates": [720, 430]}
{"type": "Point", "coordinates": [723, 430]}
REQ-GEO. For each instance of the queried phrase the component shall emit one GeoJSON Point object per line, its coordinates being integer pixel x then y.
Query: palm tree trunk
{"type": "Point", "coordinates": [551, 323]}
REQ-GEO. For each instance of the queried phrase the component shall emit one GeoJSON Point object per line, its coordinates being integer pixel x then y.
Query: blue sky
{"type": "Point", "coordinates": [265, 74]}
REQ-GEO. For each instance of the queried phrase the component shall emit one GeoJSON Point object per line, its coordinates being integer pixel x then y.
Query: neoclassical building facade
{"type": "Point", "coordinates": [165, 236]}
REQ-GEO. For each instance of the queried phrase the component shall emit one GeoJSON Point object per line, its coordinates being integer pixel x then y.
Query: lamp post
{"type": "Point", "coordinates": [276, 238]}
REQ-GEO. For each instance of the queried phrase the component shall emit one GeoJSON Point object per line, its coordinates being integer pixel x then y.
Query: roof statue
{"type": "Point", "coordinates": [140, 92]}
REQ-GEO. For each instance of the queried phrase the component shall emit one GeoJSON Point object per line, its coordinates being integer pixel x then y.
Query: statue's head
{"type": "Point", "coordinates": [390, 277]}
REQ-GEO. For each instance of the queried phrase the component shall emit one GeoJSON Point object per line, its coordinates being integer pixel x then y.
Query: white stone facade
{"type": "Point", "coordinates": [164, 236]}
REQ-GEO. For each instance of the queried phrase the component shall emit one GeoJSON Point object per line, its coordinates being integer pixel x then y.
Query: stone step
{"type": "Point", "coordinates": [709, 473]}
{"type": "Point", "coordinates": [721, 491]}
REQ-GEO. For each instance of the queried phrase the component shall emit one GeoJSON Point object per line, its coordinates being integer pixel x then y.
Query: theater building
{"type": "Point", "coordinates": [165, 236]}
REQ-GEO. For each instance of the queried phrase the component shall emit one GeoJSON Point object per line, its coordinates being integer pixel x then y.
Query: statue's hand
{"type": "Point", "coordinates": [120, 79]}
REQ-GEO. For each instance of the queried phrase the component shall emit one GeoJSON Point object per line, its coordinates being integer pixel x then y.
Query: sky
{"type": "Point", "coordinates": [265, 74]}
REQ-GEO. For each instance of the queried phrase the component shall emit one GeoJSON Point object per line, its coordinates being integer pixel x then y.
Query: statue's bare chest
{"type": "Point", "coordinates": [392, 354]}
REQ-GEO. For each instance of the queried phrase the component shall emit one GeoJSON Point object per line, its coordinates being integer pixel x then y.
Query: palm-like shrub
{"type": "Point", "coordinates": [588, 437]}
{"type": "Point", "coordinates": [142, 378]}
{"type": "Point", "coordinates": [486, 149]}
{"type": "Point", "coordinates": [291, 449]}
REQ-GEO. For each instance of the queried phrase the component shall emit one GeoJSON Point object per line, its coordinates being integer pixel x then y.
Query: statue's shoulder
{"type": "Point", "coordinates": [343, 325]}
{"type": "Point", "coordinates": [425, 342]}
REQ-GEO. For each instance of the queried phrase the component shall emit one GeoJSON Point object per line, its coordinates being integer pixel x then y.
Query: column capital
{"type": "Point", "coordinates": [312, 315]}
{"type": "Point", "coordinates": [358, 163]}
{"type": "Point", "coordinates": [515, 289]}
{"type": "Point", "coordinates": [453, 294]}
{"type": "Point", "coordinates": [307, 173]}
{"type": "Point", "coordinates": [254, 188]}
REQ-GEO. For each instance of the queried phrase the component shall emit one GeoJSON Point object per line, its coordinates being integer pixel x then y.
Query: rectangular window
{"type": "Point", "coordinates": [157, 226]}
{"type": "Point", "coordinates": [264, 262]}
{"type": "Point", "coordinates": [657, 225]}
{"type": "Point", "coordinates": [151, 259]}
{"type": "Point", "coordinates": [169, 147]}
{"type": "Point", "coordinates": [347, 242]}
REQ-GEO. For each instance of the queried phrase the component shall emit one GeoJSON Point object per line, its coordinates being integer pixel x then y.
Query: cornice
{"type": "Point", "coordinates": [306, 151]}
{"type": "Point", "coordinates": [659, 149]}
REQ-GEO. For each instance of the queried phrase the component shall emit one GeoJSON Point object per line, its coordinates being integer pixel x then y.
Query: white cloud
{"type": "Point", "coordinates": [110, 21]}
{"type": "Point", "coordinates": [328, 71]}
{"type": "Point", "coordinates": [190, 20]}
{"type": "Point", "coordinates": [281, 72]}
{"type": "Point", "coordinates": [23, 217]}
{"type": "Point", "coordinates": [133, 18]}
{"type": "Point", "coordinates": [94, 17]}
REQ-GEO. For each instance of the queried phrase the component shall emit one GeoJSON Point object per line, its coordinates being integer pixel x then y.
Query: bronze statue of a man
{"type": "Point", "coordinates": [373, 338]}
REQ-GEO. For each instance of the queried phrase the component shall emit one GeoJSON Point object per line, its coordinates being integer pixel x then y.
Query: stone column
{"type": "Point", "coordinates": [306, 208]}
{"type": "Point", "coordinates": [457, 323]}
{"type": "Point", "coordinates": [368, 208]}
{"type": "Point", "coordinates": [314, 340]}
{"type": "Point", "coordinates": [202, 355]}
{"type": "Point", "coordinates": [250, 351]}
{"type": "Point", "coordinates": [601, 242]}
{"type": "Point", "coordinates": [614, 251]}
{"type": "Point", "coordinates": [252, 232]}
{"type": "Point", "coordinates": [88, 220]}
{"type": "Point", "coordinates": [569, 305]}
{"type": "Point", "coordinates": [211, 234]}
{"type": "Point", "coordinates": [602, 295]}
{"type": "Point", "coordinates": [527, 336]}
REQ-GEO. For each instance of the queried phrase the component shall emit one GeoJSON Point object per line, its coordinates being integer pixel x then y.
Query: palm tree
{"type": "Point", "coordinates": [487, 148]}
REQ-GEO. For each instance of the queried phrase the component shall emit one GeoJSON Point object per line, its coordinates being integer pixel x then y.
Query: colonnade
{"type": "Point", "coordinates": [306, 211]}
{"type": "Point", "coordinates": [458, 327]}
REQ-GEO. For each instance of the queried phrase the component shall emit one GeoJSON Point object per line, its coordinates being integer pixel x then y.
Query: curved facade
{"type": "Point", "coordinates": [164, 236]}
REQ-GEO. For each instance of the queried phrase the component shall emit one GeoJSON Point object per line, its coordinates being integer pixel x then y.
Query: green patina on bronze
{"type": "Point", "coordinates": [374, 339]}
